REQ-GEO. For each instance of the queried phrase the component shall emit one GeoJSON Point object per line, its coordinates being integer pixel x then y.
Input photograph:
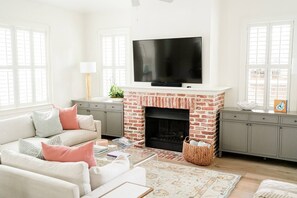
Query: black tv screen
{"type": "Point", "coordinates": [168, 60]}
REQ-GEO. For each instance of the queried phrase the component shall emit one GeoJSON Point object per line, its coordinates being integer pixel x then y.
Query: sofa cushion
{"type": "Point", "coordinates": [73, 137]}
{"type": "Point", "coordinates": [272, 188]}
{"type": "Point", "coordinates": [14, 128]}
{"type": "Point", "coordinates": [69, 154]}
{"type": "Point", "coordinates": [47, 123]}
{"type": "Point", "coordinates": [86, 122]}
{"type": "Point", "coordinates": [101, 175]}
{"type": "Point", "coordinates": [73, 172]}
{"type": "Point", "coordinates": [26, 147]}
{"type": "Point", "coordinates": [68, 117]}
{"type": "Point", "coordinates": [15, 145]}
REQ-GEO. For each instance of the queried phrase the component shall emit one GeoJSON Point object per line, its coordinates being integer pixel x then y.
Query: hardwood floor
{"type": "Point", "coordinates": [253, 170]}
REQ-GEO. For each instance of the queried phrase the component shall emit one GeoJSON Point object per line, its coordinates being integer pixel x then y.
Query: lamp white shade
{"type": "Point", "coordinates": [87, 67]}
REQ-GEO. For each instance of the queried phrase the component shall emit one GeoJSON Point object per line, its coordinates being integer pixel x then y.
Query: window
{"type": "Point", "coordinates": [268, 63]}
{"type": "Point", "coordinates": [23, 67]}
{"type": "Point", "coordinates": [114, 58]}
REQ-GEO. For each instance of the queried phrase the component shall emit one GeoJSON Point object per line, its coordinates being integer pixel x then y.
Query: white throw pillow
{"type": "Point", "coordinates": [33, 150]}
{"type": "Point", "coordinates": [47, 123]}
{"type": "Point", "coordinates": [101, 175]}
{"type": "Point", "coordinates": [73, 172]}
{"type": "Point", "coordinates": [86, 122]}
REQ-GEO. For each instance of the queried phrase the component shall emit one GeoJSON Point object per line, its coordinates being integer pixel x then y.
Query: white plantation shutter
{"type": "Point", "coordinates": [6, 69]}
{"type": "Point", "coordinates": [278, 85]}
{"type": "Point", "coordinates": [23, 71]}
{"type": "Point", "coordinates": [256, 86]}
{"type": "Point", "coordinates": [107, 80]}
{"type": "Point", "coordinates": [257, 45]}
{"type": "Point", "coordinates": [23, 47]}
{"type": "Point", "coordinates": [280, 44]}
{"type": "Point", "coordinates": [40, 85]}
{"type": "Point", "coordinates": [5, 47]}
{"type": "Point", "coordinates": [39, 48]}
{"type": "Point", "coordinates": [107, 51]}
{"type": "Point", "coordinates": [120, 77]}
{"type": "Point", "coordinates": [6, 87]}
{"type": "Point", "coordinates": [269, 63]}
{"type": "Point", "coordinates": [114, 59]}
{"type": "Point", "coordinates": [120, 50]}
{"type": "Point", "coordinates": [25, 86]}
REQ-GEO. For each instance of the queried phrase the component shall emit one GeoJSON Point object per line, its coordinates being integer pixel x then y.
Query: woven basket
{"type": "Point", "coordinates": [200, 155]}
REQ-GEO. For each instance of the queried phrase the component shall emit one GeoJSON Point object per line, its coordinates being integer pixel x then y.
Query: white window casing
{"type": "Point", "coordinates": [268, 62]}
{"type": "Point", "coordinates": [24, 68]}
{"type": "Point", "coordinates": [114, 51]}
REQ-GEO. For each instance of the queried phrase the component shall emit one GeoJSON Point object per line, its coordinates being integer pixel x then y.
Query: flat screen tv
{"type": "Point", "coordinates": [174, 60]}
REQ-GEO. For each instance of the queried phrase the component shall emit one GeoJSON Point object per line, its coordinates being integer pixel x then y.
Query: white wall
{"type": "Point", "coordinates": [156, 19]}
{"type": "Point", "coordinates": [66, 43]}
{"type": "Point", "coordinates": [235, 14]}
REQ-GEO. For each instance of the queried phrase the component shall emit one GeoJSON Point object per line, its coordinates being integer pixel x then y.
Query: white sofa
{"type": "Point", "coordinates": [12, 129]}
{"type": "Point", "coordinates": [19, 178]}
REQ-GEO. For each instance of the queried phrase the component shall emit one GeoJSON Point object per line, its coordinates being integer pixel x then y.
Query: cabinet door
{"type": "Point", "coordinates": [288, 146]}
{"type": "Point", "coordinates": [100, 115]}
{"type": "Point", "coordinates": [114, 122]}
{"type": "Point", "coordinates": [234, 136]}
{"type": "Point", "coordinates": [83, 111]}
{"type": "Point", "coordinates": [263, 140]}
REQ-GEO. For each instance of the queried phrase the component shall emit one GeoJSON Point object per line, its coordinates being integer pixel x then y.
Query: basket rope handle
{"type": "Point", "coordinates": [187, 139]}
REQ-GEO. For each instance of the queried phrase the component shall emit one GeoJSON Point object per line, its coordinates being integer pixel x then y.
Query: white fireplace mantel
{"type": "Point", "coordinates": [203, 90]}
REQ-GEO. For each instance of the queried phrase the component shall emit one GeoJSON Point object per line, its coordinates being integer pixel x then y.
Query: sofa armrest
{"type": "Point", "coordinates": [16, 182]}
{"type": "Point", "coordinates": [98, 127]}
{"type": "Point", "coordinates": [136, 175]}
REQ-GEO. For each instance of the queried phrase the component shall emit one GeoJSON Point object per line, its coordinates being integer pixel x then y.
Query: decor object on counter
{"type": "Point", "coordinates": [102, 142]}
{"type": "Point", "coordinates": [246, 106]}
{"type": "Point", "coordinates": [280, 106]}
{"type": "Point", "coordinates": [116, 93]}
{"type": "Point", "coordinates": [88, 68]}
{"type": "Point", "coordinates": [200, 155]}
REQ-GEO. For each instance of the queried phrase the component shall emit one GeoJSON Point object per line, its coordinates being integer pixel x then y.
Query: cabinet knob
{"type": "Point", "coordinates": [263, 118]}
{"type": "Point", "coordinates": [235, 116]}
{"type": "Point", "coordinates": [280, 127]}
{"type": "Point", "coordinates": [295, 120]}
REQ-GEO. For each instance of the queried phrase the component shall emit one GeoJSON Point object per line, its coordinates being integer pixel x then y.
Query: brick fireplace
{"type": "Point", "coordinates": [203, 106]}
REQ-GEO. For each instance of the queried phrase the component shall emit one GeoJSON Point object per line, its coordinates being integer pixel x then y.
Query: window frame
{"type": "Point", "coordinates": [114, 32]}
{"type": "Point", "coordinates": [267, 66]}
{"type": "Point", "coordinates": [32, 28]}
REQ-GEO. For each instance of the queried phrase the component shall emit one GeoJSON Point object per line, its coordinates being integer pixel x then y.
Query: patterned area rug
{"type": "Point", "coordinates": [173, 180]}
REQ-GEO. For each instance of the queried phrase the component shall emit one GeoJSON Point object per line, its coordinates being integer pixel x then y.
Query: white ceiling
{"type": "Point", "coordinates": [87, 6]}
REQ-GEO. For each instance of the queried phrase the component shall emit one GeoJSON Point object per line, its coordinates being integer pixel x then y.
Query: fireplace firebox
{"type": "Point", "coordinates": [166, 128]}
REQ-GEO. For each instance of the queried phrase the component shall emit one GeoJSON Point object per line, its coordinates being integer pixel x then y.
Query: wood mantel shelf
{"type": "Point", "coordinates": [203, 90]}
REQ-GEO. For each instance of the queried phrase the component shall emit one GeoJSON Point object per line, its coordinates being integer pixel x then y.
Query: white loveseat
{"type": "Point", "coordinates": [23, 176]}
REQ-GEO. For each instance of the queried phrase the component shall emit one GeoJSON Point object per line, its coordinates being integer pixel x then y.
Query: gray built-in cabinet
{"type": "Point", "coordinates": [109, 113]}
{"type": "Point", "coordinates": [259, 133]}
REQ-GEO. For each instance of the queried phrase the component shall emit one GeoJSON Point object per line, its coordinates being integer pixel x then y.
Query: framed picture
{"type": "Point", "coordinates": [280, 106]}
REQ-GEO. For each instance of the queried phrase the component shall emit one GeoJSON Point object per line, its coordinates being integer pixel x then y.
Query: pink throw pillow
{"type": "Point", "coordinates": [68, 117]}
{"type": "Point", "coordinates": [69, 154]}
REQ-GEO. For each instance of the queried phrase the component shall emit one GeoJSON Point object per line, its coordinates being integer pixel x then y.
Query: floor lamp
{"type": "Point", "coordinates": [88, 68]}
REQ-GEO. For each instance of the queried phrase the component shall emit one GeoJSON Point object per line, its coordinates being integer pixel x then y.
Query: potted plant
{"type": "Point", "coordinates": [116, 93]}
